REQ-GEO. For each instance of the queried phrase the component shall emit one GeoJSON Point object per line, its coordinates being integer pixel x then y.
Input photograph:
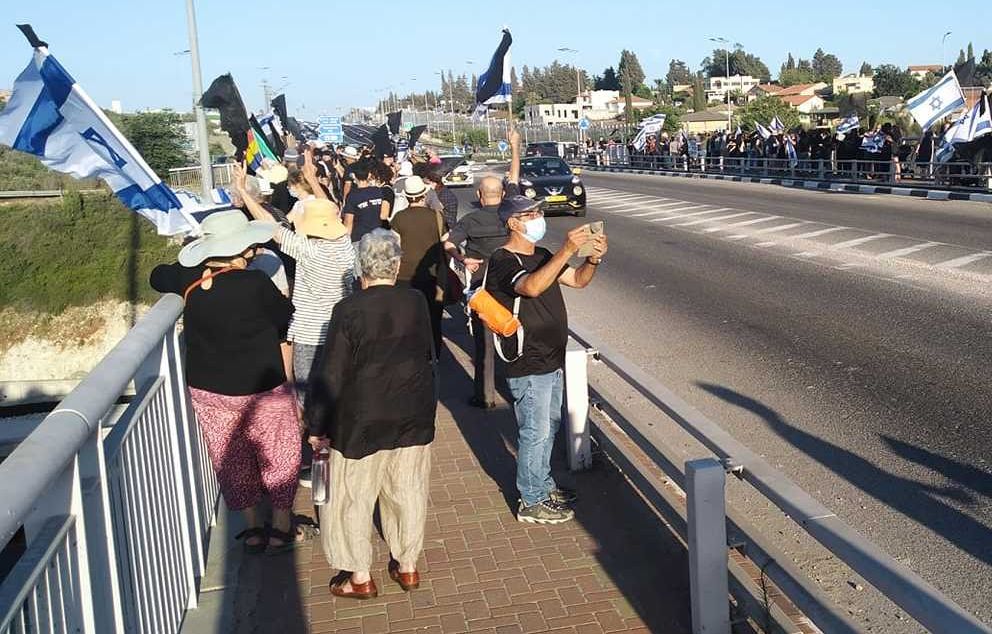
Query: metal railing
{"type": "Point", "coordinates": [189, 177]}
{"type": "Point", "coordinates": [114, 521]}
{"type": "Point", "coordinates": [957, 175]}
{"type": "Point", "coordinates": [919, 599]}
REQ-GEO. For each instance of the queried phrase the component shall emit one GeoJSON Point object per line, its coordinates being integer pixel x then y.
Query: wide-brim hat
{"type": "Point", "coordinates": [319, 219]}
{"type": "Point", "coordinates": [414, 187]}
{"type": "Point", "coordinates": [350, 152]}
{"type": "Point", "coordinates": [225, 234]}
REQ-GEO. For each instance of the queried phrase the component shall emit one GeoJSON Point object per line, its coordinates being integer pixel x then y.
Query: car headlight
{"type": "Point", "coordinates": [577, 190]}
{"type": "Point", "coordinates": [530, 193]}
{"type": "Point", "coordinates": [576, 180]}
{"type": "Point", "coordinates": [526, 183]}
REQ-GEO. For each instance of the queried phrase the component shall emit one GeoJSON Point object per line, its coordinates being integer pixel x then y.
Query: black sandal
{"type": "Point", "coordinates": [248, 533]}
{"type": "Point", "coordinates": [301, 533]}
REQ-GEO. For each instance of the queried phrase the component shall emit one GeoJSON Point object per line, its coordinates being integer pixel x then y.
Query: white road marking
{"type": "Point", "coordinates": [820, 232]}
{"type": "Point", "coordinates": [742, 224]}
{"type": "Point", "coordinates": [898, 253]}
{"type": "Point", "coordinates": [696, 213]}
{"type": "Point", "coordinates": [720, 219]}
{"type": "Point", "coordinates": [653, 213]}
{"type": "Point", "coordinates": [962, 261]}
{"type": "Point", "coordinates": [629, 197]}
{"type": "Point", "coordinates": [627, 203]}
{"type": "Point", "coordinates": [778, 228]}
{"type": "Point", "coordinates": [858, 241]}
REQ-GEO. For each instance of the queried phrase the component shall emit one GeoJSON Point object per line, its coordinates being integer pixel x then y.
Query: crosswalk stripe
{"type": "Point", "coordinates": [651, 213]}
{"type": "Point", "coordinates": [721, 218]}
{"type": "Point", "coordinates": [742, 224]}
{"type": "Point", "coordinates": [819, 232]}
{"type": "Point", "coordinates": [858, 241]}
{"type": "Point", "coordinates": [963, 260]}
{"type": "Point", "coordinates": [695, 213]}
{"type": "Point", "coordinates": [777, 228]}
{"type": "Point", "coordinates": [898, 253]}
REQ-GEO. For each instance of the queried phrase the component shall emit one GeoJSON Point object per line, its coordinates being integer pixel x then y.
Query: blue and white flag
{"type": "Point", "coordinates": [848, 124]}
{"type": "Point", "coordinates": [776, 125]}
{"type": "Point", "coordinates": [762, 130]}
{"type": "Point", "coordinates": [50, 116]}
{"type": "Point", "coordinates": [873, 142]}
{"type": "Point", "coordinates": [653, 119]}
{"type": "Point", "coordinates": [790, 151]}
{"type": "Point", "coordinates": [933, 104]}
{"type": "Point", "coordinates": [494, 85]}
{"type": "Point", "coordinates": [973, 124]}
{"type": "Point", "coordinates": [653, 127]}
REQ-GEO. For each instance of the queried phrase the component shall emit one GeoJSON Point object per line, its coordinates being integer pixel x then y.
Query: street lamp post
{"type": "Point", "coordinates": [203, 140]}
{"type": "Point", "coordinates": [726, 49]}
{"type": "Point", "coordinates": [943, 40]}
{"type": "Point", "coordinates": [578, 86]}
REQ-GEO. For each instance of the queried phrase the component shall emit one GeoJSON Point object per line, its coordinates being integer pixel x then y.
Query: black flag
{"type": "Point", "coordinates": [394, 119]}
{"type": "Point", "coordinates": [223, 95]}
{"type": "Point", "coordinates": [289, 124]}
{"type": "Point", "coordinates": [380, 139]}
{"type": "Point", "coordinates": [415, 134]}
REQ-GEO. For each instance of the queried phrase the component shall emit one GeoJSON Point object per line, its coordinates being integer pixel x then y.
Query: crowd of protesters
{"type": "Point", "coordinates": [312, 324]}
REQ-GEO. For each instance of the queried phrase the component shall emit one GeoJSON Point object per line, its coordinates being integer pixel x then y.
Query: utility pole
{"type": "Point", "coordinates": [203, 140]}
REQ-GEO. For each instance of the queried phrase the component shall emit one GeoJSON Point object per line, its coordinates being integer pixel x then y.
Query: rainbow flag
{"type": "Point", "coordinates": [258, 147]}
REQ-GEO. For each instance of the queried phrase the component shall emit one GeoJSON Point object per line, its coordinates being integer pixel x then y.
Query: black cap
{"type": "Point", "coordinates": [514, 205]}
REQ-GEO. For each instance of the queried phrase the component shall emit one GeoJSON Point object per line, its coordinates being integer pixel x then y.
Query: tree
{"type": "Point", "coordinates": [892, 80]}
{"type": "Point", "coordinates": [826, 66]}
{"type": "Point", "coordinates": [608, 81]}
{"type": "Point", "coordinates": [630, 68]}
{"type": "Point", "coordinates": [790, 64]}
{"type": "Point", "coordinates": [698, 94]}
{"type": "Point", "coordinates": [678, 73]}
{"type": "Point", "coordinates": [866, 70]}
{"type": "Point", "coordinates": [763, 109]}
{"type": "Point", "coordinates": [741, 63]}
{"type": "Point", "coordinates": [791, 77]}
{"type": "Point", "coordinates": [158, 136]}
{"type": "Point", "coordinates": [961, 58]}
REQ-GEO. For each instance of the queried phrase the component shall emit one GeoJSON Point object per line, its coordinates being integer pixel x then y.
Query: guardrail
{"type": "Point", "coordinates": [895, 581]}
{"type": "Point", "coordinates": [109, 532]}
{"type": "Point", "coordinates": [189, 177]}
{"type": "Point", "coordinates": [956, 175]}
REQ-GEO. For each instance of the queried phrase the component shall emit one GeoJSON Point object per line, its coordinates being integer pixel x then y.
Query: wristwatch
{"type": "Point", "coordinates": [594, 262]}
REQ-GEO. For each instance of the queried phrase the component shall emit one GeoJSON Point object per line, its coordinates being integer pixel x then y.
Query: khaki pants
{"type": "Point", "coordinates": [399, 480]}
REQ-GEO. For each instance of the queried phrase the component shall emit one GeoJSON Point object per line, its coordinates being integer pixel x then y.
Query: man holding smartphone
{"type": "Point", "coordinates": [526, 279]}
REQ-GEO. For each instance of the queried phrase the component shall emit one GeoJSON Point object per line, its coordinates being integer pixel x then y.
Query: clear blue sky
{"type": "Point", "coordinates": [337, 54]}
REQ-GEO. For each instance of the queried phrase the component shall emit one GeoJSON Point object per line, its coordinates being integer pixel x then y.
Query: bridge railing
{"type": "Point", "coordinates": [108, 515]}
{"type": "Point", "coordinates": [189, 177]}
{"type": "Point", "coordinates": [709, 551]}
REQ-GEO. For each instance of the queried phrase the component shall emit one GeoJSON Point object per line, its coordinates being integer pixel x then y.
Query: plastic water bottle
{"type": "Point", "coordinates": [320, 478]}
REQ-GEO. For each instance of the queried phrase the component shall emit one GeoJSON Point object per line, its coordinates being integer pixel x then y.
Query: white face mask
{"type": "Point", "coordinates": [535, 229]}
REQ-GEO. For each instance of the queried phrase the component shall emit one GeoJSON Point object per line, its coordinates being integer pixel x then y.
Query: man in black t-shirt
{"type": "Point", "coordinates": [365, 208]}
{"type": "Point", "coordinates": [526, 279]}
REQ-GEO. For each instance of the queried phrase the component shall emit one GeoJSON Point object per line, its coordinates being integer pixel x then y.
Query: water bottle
{"type": "Point", "coordinates": [320, 478]}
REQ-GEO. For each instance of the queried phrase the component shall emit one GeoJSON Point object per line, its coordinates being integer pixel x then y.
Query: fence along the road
{"type": "Point", "coordinates": [114, 520]}
{"type": "Point", "coordinates": [189, 177]}
{"type": "Point", "coordinates": [895, 581]}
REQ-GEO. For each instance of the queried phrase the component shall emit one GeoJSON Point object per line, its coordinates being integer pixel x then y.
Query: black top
{"type": "Point", "coordinates": [232, 331]}
{"type": "Point", "coordinates": [544, 320]}
{"type": "Point", "coordinates": [482, 232]}
{"type": "Point", "coordinates": [365, 204]}
{"type": "Point", "coordinates": [418, 229]}
{"type": "Point", "coordinates": [376, 388]}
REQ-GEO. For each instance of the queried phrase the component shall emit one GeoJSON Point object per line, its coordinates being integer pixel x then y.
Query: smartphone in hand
{"type": "Point", "coordinates": [593, 228]}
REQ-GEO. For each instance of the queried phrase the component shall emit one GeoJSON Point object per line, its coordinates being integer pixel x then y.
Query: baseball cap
{"type": "Point", "coordinates": [515, 205]}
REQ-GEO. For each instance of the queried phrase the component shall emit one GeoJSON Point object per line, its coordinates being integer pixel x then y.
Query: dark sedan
{"type": "Point", "coordinates": [553, 180]}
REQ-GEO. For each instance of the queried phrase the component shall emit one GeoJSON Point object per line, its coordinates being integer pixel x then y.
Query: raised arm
{"type": "Point", "coordinates": [309, 170]}
{"type": "Point", "coordinates": [535, 283]}
{"type": "Point", "coordinates": [514, 157]}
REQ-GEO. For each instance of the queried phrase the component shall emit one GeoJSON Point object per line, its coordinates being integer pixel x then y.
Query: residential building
{"type": "Point", "coordinates": [552, 113]}
{"type": "Point", "coordinates": [921, 71]}
{"type": "Point", "coordinates": [805, 104]}
{"type": "Point", "coordinates": [595, 105]}
{"type": "Point", "coordinates": [677, 88]}
{"type": "Point", "coordinates": [805, 90]}
{"type": "Point", "coordinates": [718, 87]}
{"type": "Point", "coordinates": [115, 106]}
{"type": "Point", "coordinates": [702, 122]}
{"type": "Point", "coordinates": [853, 84]}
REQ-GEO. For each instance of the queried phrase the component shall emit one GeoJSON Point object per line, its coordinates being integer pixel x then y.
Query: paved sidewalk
{"type": "Point", "coordinates": [616, 568]}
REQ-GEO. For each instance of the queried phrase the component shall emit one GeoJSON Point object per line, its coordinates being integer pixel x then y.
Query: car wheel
{"type": "Point", "coordinates": [580, 213]}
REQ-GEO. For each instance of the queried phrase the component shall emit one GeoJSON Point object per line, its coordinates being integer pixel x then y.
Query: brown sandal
{"type": "Point", "coordinates": [362, 591]}
{"type": "Point", "coordinates": [407, 580]}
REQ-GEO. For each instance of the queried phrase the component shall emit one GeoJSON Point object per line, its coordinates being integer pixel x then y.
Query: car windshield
{"type": "Point", "coordinates": [544, 167]}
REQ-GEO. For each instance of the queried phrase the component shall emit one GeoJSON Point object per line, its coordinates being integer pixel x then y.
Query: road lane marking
{"type": "Point", "coordinates": [778, 228]}
{"type": "Point", "coordinates": [898, 253]}
{"type": "Point", "coordinates": [742, 224]}
{"type": "Point", "coordinates": [665, 211]}
{"type": "Point", "coordinates": [962, 261]}
{"type": "Point", "coordinates": [696, 213]}
{"type": "Point", "coordinates": [820, 232]}
{"type": "Point", "coordinates": [720, 219]}
{"type": "Point", "coordinates": [858, 241]}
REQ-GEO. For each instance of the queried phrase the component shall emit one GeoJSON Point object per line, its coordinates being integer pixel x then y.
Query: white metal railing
{"type": "Point", "coordinates": [189, 177]}
{"type": "Point", "coordinates": [114, 525]}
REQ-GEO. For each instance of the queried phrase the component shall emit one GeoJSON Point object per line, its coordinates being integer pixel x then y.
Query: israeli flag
{"type": "Point", "coordinates": [762, 130]}
{"type": "Point", "coordinates": [653, 119]}
{"type": "Point", "coordinates": [50, 116]}
{"type": "Point", "coordinates": [494, 85]}
{"type": "Point", "coordinates": [848, 124]}
{"type": "Point", "coordinates": [776, 125]}
{"type": "Point", "coordinates": [790, 151]}
{"type": "Point", "coordinates": [973, 124]}
{"type": "Point", "coordinates": [873, 142]}
{"type": "Point", "coordinates": [647, 130]}
{"type": "Point", "coordinates": [933, 104]}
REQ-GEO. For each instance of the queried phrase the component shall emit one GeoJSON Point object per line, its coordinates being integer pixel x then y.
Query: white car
{"type": "Point", "coordinates": [456, 172]}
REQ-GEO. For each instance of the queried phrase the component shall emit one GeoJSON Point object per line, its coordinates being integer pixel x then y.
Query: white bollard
{"type": "Point", "coordinates": [707, 520]}
{"type": "Point", "coordinates": [577, 407]}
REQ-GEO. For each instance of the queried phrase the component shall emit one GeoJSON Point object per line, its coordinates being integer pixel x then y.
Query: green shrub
{"type": "Point", "coordinates": [75, 253]}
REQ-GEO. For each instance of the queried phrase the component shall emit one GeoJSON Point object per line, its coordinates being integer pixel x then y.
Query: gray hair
{"type": "Point", "coordinates": [379, 255]}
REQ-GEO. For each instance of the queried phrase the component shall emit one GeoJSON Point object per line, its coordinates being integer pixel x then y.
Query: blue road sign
{"type": "Point", "coordinates": [503, 146]}
{"type": "Point", "coordinates": [328, 120]}
{"type": "Point", "coordinates": [583, 124]}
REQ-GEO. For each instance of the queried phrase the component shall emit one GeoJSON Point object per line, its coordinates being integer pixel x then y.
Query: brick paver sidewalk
{"type": "Point", "coordinates": [616, 568]}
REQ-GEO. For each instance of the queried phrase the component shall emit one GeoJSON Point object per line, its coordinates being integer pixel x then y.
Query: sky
{"type": "Point", "coordinates": [330, 56]}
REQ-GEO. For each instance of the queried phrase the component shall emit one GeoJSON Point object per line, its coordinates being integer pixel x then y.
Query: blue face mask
{"type": "Point", "coordinates": [535, 229]}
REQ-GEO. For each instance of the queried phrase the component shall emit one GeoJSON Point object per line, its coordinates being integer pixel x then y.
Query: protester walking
{"type": "Point", "coordinates": [526, 278]}
{"type": "Point", "coordinates": [372, 405]}
{"type": "Point", "coordinates": [234, 319]}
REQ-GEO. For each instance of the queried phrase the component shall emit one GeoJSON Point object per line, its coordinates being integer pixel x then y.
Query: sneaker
{"type": "Point", "coordinates": [546, 512]}
{"type": "Point", "coordinates": [562, 495]}
{"type": "Point", "coordinates": [305, 477]}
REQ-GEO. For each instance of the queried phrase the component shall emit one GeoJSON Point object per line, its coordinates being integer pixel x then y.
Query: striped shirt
{"type": "Point", "coordinates": [325, 273]}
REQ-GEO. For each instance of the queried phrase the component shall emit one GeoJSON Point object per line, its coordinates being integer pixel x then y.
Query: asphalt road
{"type": "Point", "coordinates": [845, 337]}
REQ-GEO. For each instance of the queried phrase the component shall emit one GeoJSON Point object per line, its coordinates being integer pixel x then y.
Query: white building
{"type": "Point", "coordinates": [717, 87]}
{"type": "Point", "coordinates": [115, 106]}
{"type": "Point", "coordinates": [853, 84]}
{"type": "Point", "coordinates": [595, 105]}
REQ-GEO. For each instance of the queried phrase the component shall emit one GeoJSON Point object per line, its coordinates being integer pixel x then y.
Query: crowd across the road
{"type": "Point", "coordinates": [312, 325]}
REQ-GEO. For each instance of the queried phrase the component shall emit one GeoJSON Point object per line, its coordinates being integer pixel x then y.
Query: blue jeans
{"type": "Point", "coordinates": [537, 406]}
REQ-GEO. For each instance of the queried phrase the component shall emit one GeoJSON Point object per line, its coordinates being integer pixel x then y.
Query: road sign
{"type": "Point", "coordinates": [329, 128]}
{"type": "Point", "coordinates": [329, 138]}
{"type": "Point", "coordinates": [583, 124]}
{"type": "Point", "coordinates": [503, 146]}
{"type": "Point", "coordinates": [328, 120]}
{"type": "Point", "coordinates": [407, 126]}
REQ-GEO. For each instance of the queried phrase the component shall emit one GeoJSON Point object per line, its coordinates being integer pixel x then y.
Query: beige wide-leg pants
{"type": "Point", "coordinates": [399, 480]}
